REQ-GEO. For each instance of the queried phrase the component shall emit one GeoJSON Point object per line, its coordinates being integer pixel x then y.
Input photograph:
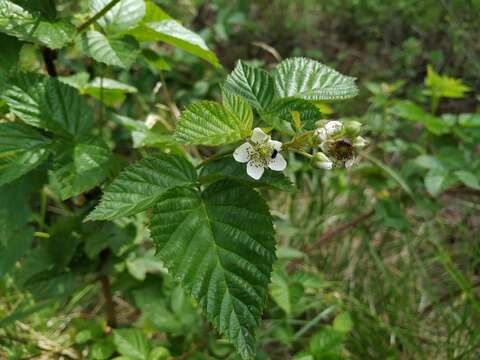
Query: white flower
{"type": "Point", "coordinates": [259, 153]}
{"type": "Point", "coordinates": [331, 128]}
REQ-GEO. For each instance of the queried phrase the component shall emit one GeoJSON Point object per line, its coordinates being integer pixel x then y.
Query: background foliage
{"type": "Point", "coordinates": [377, 262]}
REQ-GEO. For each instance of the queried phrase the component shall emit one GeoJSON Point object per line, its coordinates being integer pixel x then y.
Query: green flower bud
{"type": "Point", "coordinates": [352, 129]}
{"type": "Point", "coordinates": [359, 142]}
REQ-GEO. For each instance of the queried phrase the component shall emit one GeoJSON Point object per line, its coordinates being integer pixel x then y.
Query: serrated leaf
{"type": "Point", "coordinates": [111, 51]}
{"type": "Point", "coordinates": [229, 169]}
{"type": "Point", "coordinates": [172, 32]}
{"type": "Point", "coordinates": [279, 113]}
{"type": "Point", "coordinates": [17, 21]}
{"type": "Point", "coordinates": [311, 80]}
{"type": "Point", "coordinates": [78, 167]}
{"type": "Point", "coordinates": [239, 107]}
{"type": "Point", "coordinates": [140, 185]}
{"type": "Point", "coordinates": [131, 343]}
{"type": "Point", "coordinates": [444, 86]}
{"type": "Point", "coordinates": [125, 15]}
{"type": "Point", "coordinates": [219, 244]}
{"type": "Point", "coordinates": [45, 102]}
{"type": "Point", "coordinates": [255, 85]}
{"type": "Point", "coordinates": [22, 149]}
{"type": "Point", "coordinates": [210, 123]}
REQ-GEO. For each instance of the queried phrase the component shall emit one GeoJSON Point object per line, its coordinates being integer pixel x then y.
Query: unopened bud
{"type": "Point", "coordinates": [333, 127]}
{"type": "Point", "coordinates": [359, 142]}
{"type": "Point", "coordinates": [322, 161]}
{"type": "Point", "coordinates": [352, 128]}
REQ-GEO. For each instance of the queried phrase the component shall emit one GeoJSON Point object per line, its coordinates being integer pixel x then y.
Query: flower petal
{"type": "Point", "coordinates": [258, 136]}
{"type": "Point", "coordinates": [277, 145]}
{"type": "Point", "coordinates": [243, 152]}
{"type": "Point", "coordinates": [255, 170]}
{"type": "Point", "coordinates": [349, 163]}
{"type": "Point", "coordinates": [278, 163]}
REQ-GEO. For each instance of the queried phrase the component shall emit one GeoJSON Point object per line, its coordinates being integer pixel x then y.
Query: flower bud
{"type": "Point", "coordinates": [320, 135]}
{"type": "Point", "coordinates": [333, 127]}
{"type": "Point", "coordinates": [352, 128]}
{"type": "Point", "coordinates": [322, 161]}
{"type": "Point", "coordinates": [359, 142]}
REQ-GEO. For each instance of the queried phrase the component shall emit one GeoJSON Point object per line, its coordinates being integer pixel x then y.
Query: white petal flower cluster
{"type": "Point", "coordinates": [339, 145]}
{"type": "Point", "coordinates": [260, 152]}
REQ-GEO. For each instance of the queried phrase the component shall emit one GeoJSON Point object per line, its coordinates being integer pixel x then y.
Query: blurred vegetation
{"type": "Point", "coordinates": [378, 262]}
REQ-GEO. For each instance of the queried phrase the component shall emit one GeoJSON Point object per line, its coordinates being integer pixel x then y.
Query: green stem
{"type": "Point", "coordinates": [43, 208]}
{"type": "Point", "coordinates": [98, 15]}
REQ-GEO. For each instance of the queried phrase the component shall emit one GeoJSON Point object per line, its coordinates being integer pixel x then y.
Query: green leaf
{"type": "Point", "coordinates": [468, 179]}
{"type": "Point", "coordinates": [227, 168]}
{"type": "Point", "coordinates": [109, 91]}
{"type": "Point", "coordinates": [103, 349]}
{"type": "Point", "coordinates": [444, 86]}
{"type": "Point", "coordinates": [22, 149]}
{"type": "Point", "coordinates": [279, 113]}
{"type": "Point", "coordinates": [285, 293]}
{"type": "Point", "coordinates": [131, 343]}
{"type": "Point", "coordinates": [14, 248]}
{"type": "Point", "coordinates": [210, 123]}
{"type": "Point", "coordinates": [434, 181]}
{"type": "Point", "coordinates": [80, 166]}
{"type": "Point", "coordinates": [125, 15]}
{"type": "Point", "coordinates": [172, 32]}
{"type": "Point", "coordinates": [18, 22]}
{"type": "Point", "coordinates": [227, 265]}
{"type": "Point", "coordinates": [111, 51]}
{"type": "Point", "coordinates": [410, 111]}
{"type": "Point", "coordinates": [45, 102]}
{"type": "Point", "coordinates": [343, 323]}
{"type": "Point", "coordinates": [10, 49]}
{"type": "Point", "coordinates": [469, 120]}
{"type": "Point", "coordinates": [140, 185]}
{"type": "Point", "coordinates": [311, 80]}
{"type": "Point", "coordinates": [255, 85]}
{"type": "Point", "coordinates": [236, 105]}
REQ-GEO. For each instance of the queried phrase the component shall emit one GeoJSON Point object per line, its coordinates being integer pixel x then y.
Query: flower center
{"type": "Point", "coordinates": [263, 153]}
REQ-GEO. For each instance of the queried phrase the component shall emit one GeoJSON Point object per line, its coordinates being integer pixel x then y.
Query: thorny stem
{"type": "Point", "coordinates": [98, 15]}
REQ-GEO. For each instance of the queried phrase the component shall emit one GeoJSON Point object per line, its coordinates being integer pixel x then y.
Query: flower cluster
{"type": "Point", "coordinates": [339, 144]}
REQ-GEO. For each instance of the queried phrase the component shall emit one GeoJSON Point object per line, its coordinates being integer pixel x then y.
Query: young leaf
{"type": "Point", "coordinates": [239, 107]}
{"type": "Point", "coordinates": [210, 123]}
{"type": "Point", "coordinates": [444, 86]}
{"type": "Point", "coordinates": [282, 109]}
{"type": "Point", "coordinates": [80, 166]}
{"type": "Point", "coordinates": [125, 15]}
{"type": "Point", "coordinates": [111, 51]}
{"type": "Point", "coordinates": [131, 343]}
{"type": "Point", "coordinates": [17, 21]}
{"type": "Point", "coordinates": [219, 244]}
{"type": "Point", "coordinates": [140, 185]}
{"type": "Point", "coordinates": [310, 80]}
{"type": "Point", "coordinates": [227, 168]}
{"type": "Point", "coordinates": [254, 85]}
{"type": "Point", "coordinates": [22, 149]}
{"type": "Point", "coordinates": [47, 103]}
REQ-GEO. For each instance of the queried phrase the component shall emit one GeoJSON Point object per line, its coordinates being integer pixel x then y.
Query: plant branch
{"type": "Point", "coordinates": [106, 289]}
{"type": "Point", "coordinates": [98, 15]}
{"type": "Point", "coordinates": [49, 57]}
